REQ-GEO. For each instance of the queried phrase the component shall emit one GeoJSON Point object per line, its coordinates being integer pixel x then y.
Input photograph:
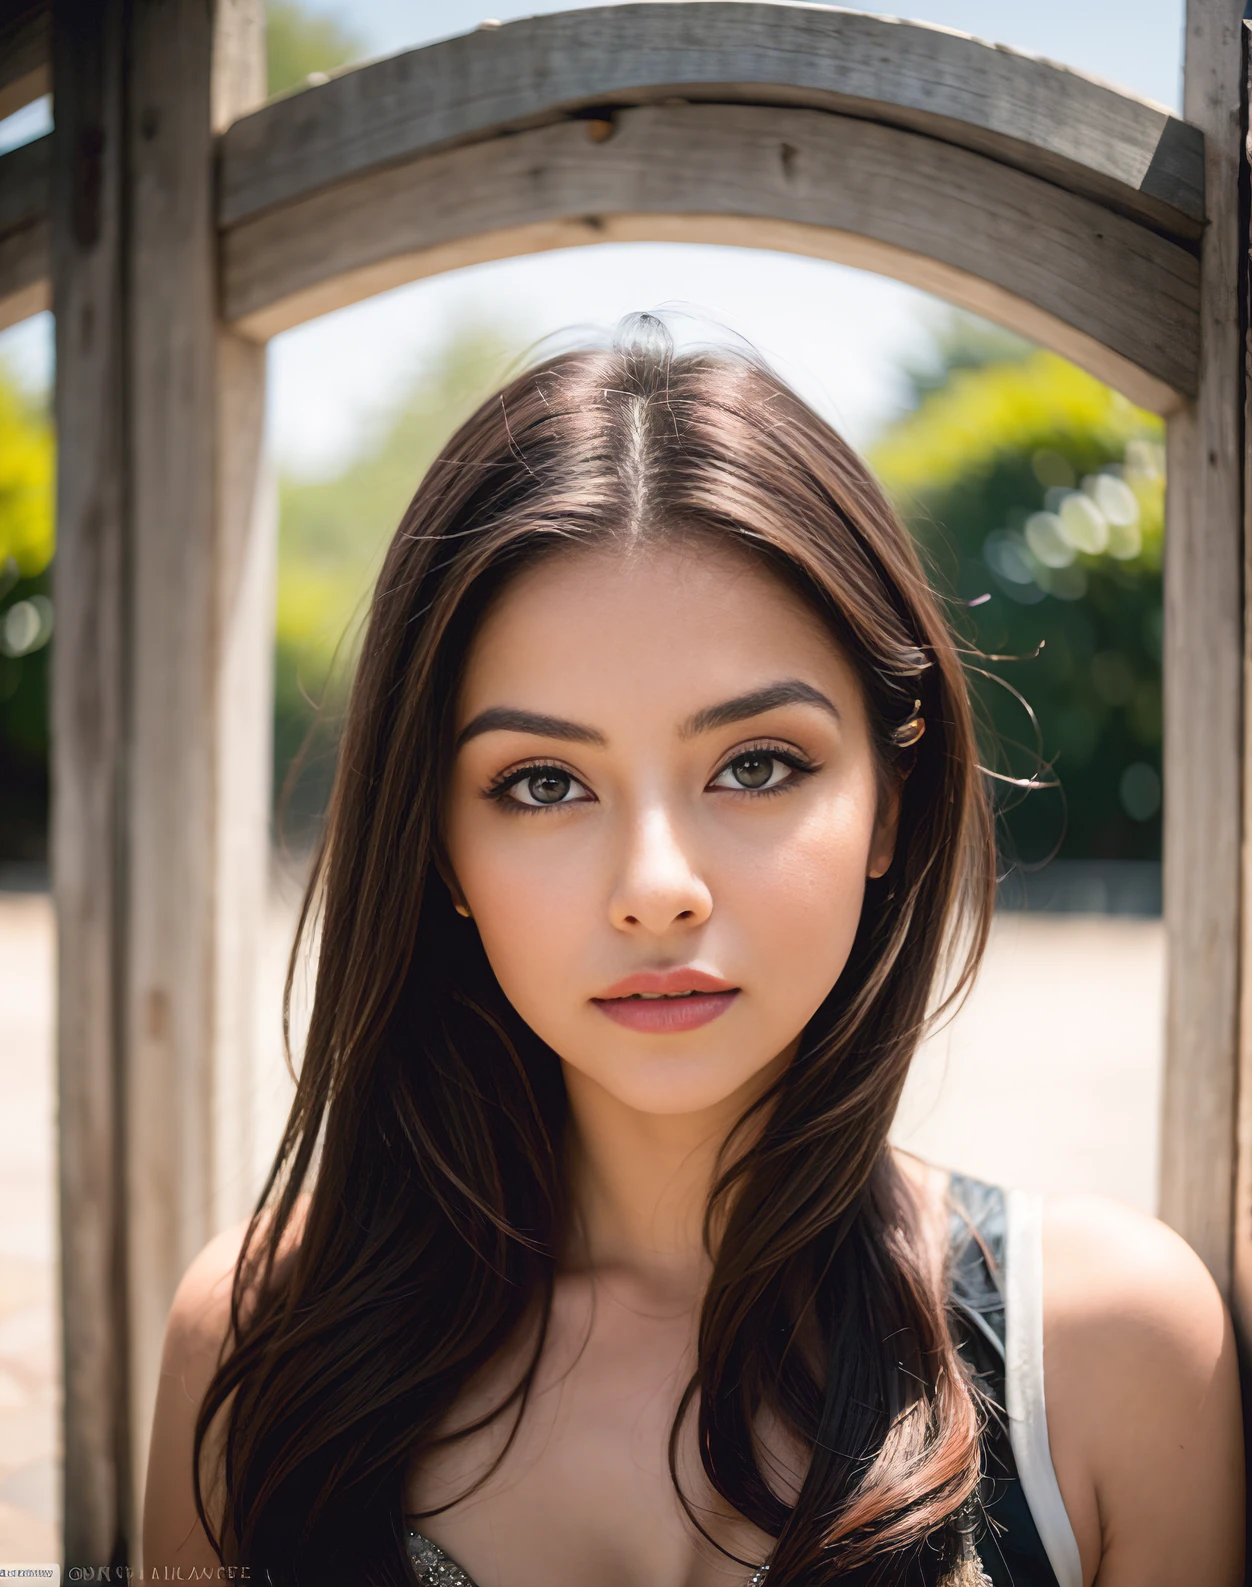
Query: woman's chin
{"type": "Point", "coordinates": [672, 1084]}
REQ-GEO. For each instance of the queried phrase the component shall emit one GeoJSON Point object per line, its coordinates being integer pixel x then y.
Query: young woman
{"type": "Point", "coordinates": [659, 830]}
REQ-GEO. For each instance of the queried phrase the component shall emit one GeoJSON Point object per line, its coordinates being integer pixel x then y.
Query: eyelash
{"type": "Point", "coordinates": [789, 757]}
{"type": "Point", "coordinates": [499, 788]}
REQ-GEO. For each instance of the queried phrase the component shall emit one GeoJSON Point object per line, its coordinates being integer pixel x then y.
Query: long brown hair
{"type": "Point", "coordinates": [428, 1118]}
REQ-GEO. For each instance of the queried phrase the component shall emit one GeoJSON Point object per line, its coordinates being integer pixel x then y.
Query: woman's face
{"type": "Point", "coordinates": [664, 783]}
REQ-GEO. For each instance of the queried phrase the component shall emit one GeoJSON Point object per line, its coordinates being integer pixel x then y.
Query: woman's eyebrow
{"type": "Point", "coordinates": [790, 691]}
{"type": "Point", "coordinates": [509, 719]}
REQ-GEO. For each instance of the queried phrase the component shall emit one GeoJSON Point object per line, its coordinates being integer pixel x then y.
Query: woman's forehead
{"type": "Point", "coordinates": [671, 626]}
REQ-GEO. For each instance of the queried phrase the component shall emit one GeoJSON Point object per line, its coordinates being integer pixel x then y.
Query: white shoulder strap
{"type": "Point", "coordinates": [1027, 1412]}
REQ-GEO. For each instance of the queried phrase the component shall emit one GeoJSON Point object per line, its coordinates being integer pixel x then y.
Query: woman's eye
{"type": "Point", "coordinates": [546, 785]}
{"type": "Point", "coordinates": [754, 770]}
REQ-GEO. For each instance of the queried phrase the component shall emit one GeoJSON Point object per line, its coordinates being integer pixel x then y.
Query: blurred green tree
{"type": "Point", "coordinates": [1037, 494]}
{"type": "Point", "coordinates": [332, 537]}
{"type": "Point", "coordinates": [301, 44]}
{"type": "Point", "coordinates": [26, 543]}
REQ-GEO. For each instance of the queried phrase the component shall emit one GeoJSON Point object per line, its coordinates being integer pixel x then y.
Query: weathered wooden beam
{"type": "Point", "coordinates": [1113, 294]}
{"type": "Point", "coordinates": [25, 267]}
{"type": "Point", "coordinates": [160, 705]}
{"type": "Point", "coordinates": [25, 55]}
{"type": "Point", "coordinates": [398, 143]}
{"type": "Point", "coordinates": [170, 406]}
{"type": "Point", "coordinates": [245, 556]}
{"type": "Point", "coordinates": [1241, 1289]}
{"type": "Point", "coordinates": [1203, 686]}
{"type": "Point", "coordinates": [1023, 111]}
{"type": "Point", "coordinates": [196, 793]}
{"type": "Point", "coordinates": [88, 738]}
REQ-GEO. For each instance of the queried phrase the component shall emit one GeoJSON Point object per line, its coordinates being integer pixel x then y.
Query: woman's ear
{"type": "Point", "coordinates": [883, 846]}
{"type": "Point", "coordinates": [448, 877]}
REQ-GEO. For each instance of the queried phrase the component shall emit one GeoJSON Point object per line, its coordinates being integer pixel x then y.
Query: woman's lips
{"type": "Point", "coordinates": [664, 1014]}
{"type": "Point", "coordinates": [667, 1000]}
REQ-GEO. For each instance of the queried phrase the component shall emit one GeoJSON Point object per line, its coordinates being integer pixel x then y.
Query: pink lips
{"type": "Point", "coordinates": [689, 998]}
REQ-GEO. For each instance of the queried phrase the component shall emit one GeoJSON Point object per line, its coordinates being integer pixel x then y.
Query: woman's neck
{"type": "Point", "coordinates": [640, 1183]}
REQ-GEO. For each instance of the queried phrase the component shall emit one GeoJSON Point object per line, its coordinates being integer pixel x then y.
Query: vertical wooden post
{"type": "Point", "coordinates": [1204, 687]}
{"type": "Point", "coordinates": [247, 543]}
{"type": "Point", "coordinates": [89, 592]}
{"type": "Point", "coordinates": [194, 408]}
{"type": "Point", "coordinates": [167, 871]}
{"type": "Point", "coordinates": [1242, 1286]}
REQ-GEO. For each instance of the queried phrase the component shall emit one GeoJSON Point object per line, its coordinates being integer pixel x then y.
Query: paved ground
{"type": "Point", "coordinates": [29, 1347]}
{"type": "Point", "coordinates": [1049, 1078]}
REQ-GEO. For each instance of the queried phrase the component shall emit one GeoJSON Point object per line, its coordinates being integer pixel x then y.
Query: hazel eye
{"type": "Point", "coordinates": [545, 785]}
{"type": "Point", "coordinates": [755, 771]}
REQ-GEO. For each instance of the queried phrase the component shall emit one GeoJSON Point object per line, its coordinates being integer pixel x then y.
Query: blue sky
{"type": "Point", "coordinates": [838, 334]}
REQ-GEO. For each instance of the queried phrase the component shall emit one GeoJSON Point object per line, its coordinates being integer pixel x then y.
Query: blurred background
{"type": "Point", "coordinates": [1035, 493]}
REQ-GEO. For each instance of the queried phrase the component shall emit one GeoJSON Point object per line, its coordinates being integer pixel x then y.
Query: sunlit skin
{"type": "Point", "coordinates": [678, 841]}
{"type": "Point", "coordinates": [615, 840]}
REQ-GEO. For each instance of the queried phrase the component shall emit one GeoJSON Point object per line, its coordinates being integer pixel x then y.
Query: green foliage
{"type": "Point", "coordinates": [27, 531]}
{"type": "Point", "coordinates": [1037, 495]}
{"type": "Point", "coordinates": [332, 538]}
{"type": "Point", "coordinates": [300, 44]}
{"type": "Point", "coordinates": [27, 455]}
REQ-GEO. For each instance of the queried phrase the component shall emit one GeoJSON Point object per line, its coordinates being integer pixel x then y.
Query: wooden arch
{"type": "Point", "coordinates": [1068, 211]}
{"type": "Point", "coordinates": [173, 226]}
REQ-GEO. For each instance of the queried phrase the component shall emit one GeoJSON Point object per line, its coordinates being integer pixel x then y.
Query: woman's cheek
{"type": "Point", "coordinates": [806, 905]}
{"type": "Point", "coordinates": [531, 915]}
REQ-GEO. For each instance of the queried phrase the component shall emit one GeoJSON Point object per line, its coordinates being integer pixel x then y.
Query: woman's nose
{"type": "Point", "coordinates": [658, 886]}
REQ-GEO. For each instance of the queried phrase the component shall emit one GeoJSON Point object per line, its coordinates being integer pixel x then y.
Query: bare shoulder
{"type": "Point", "coordinates": [1104, 1257]}
{"type": "Point", "coordinates": [195, 1333]}
{"type": "Point", "coordinates": [200, 1313]}
{"type": "Point", "coordinates": [1143, 1397]}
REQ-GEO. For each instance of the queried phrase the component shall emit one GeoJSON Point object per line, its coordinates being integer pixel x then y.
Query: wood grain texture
{"type": "Point", "coordinates": [88, 750]}
{"type": "Point", "coordinates": [1021, 110]}
{"type": "Point", "coordinates": [1054, 265]}
{"type": "Point", "coordinates": [246, 506]}
{"type": "Point", "coordinates": [1203, 687]}
{"type": "Point", "coordinates": [25, 55]}
{"type": "Point", "coordinates": [1241, 1288]}
{"type": "Point", "coordinates": [160, 710]}
{"type": "Point", "coordinates": [170, 772]}
{"type": "Point", "coordinates": [245, 556]}
{"type": "Point", "coordinates": [25, 266]}
{"type": "Point", "coordinates": [195, 789]}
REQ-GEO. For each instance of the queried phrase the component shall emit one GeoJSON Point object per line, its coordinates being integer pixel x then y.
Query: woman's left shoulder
{"type": "Point", "coordinates": [1142, 1387]}
{"type": "Point", "coordinates": [1109, 1266]}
